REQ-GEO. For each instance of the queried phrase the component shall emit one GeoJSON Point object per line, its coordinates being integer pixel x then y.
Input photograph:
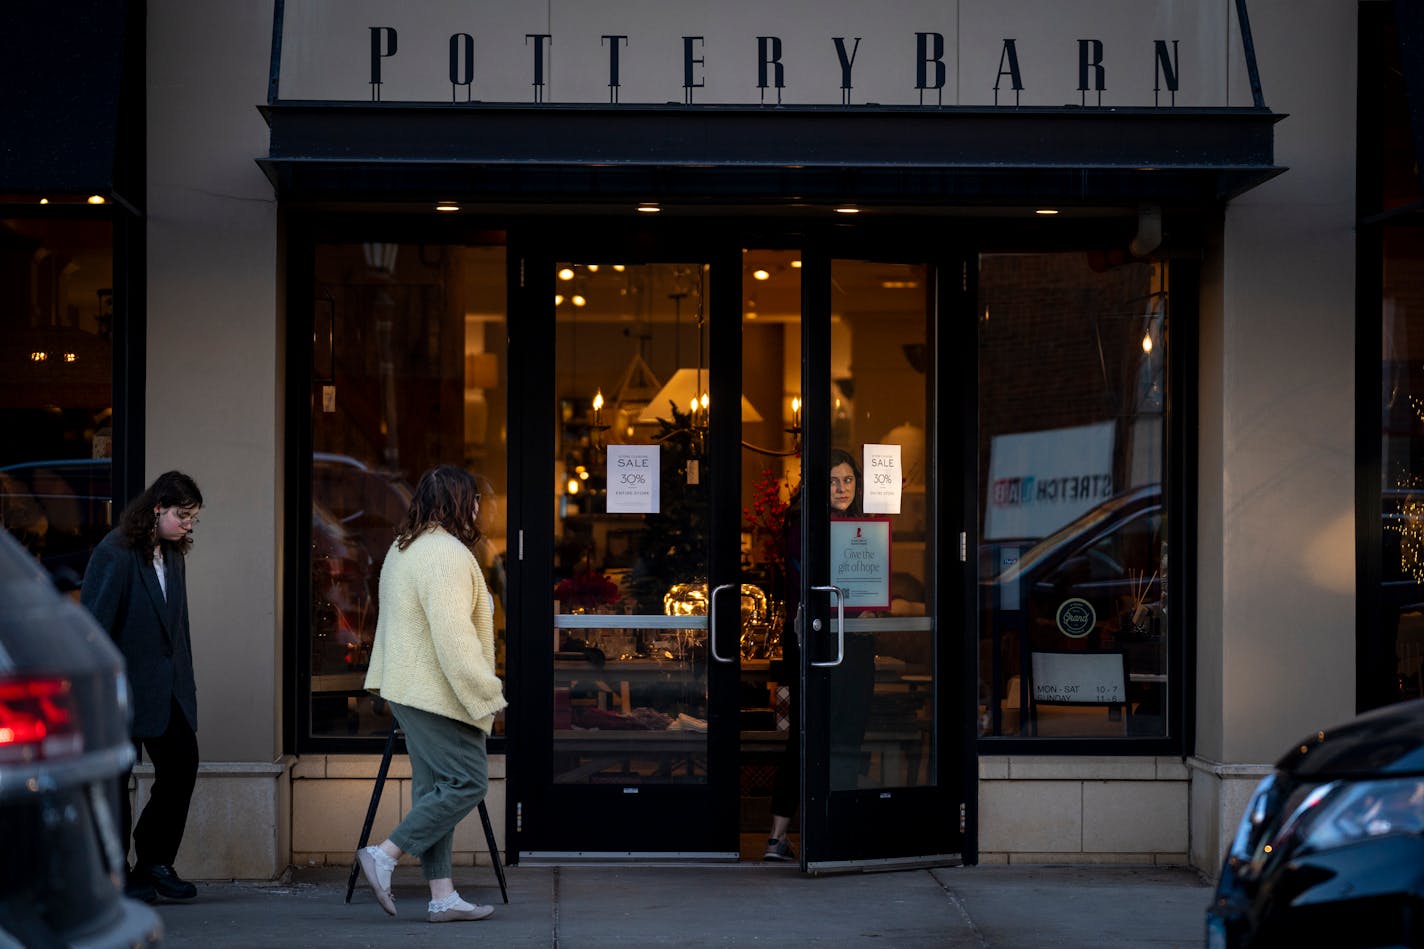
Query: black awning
{"type": "Point", "coordinates": [893, 156]}
{"type": "Point", "coordinates": [64, 85]}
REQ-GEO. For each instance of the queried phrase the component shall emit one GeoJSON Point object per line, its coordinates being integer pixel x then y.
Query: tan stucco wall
{"type": "Point", "coordinates": [1276, 558]}
{"type": "Point", "coordinates": [212, 384]}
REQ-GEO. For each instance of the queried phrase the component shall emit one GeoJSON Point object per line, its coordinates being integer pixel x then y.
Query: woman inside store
{"type": "Point", "coordinates": [433, 661]}
{"type": "Point", "coordinates": [852, 682]}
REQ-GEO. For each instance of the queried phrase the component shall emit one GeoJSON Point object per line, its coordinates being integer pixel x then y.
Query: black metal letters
{"type": "Point", "coordinates": [462, 63]}
{"type": "Point", "coordinates": [688, 61]}
{"type": "Point", "coordinates": [383, 44]}
{"type": "Point", "coordinates": [931, 70]}
{"type": "Point", "coordinates": [539, 40]}
{"type": "Point", "coordinates": [769, 55]}
{"type": "Point", "coordinates": [613, 82]}
{"type": "Point", "coordinates": [1010, 55]}
{"type": "Point", "coordinates": [1090, 57]}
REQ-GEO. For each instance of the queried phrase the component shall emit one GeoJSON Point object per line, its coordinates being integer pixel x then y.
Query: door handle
{"type": "Point", "coordinates": [840, 624]}
{"type": "Point", "coordinates": [712, 619]}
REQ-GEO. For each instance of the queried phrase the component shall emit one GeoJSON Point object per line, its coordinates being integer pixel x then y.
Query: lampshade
{"type": "Point", "coordinates": [481, 370]}
{"type": "Point", "coordinates": [680, 390]}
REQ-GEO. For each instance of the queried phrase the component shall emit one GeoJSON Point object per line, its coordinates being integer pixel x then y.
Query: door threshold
{"type": "Point", "coordinates": [586, 858]}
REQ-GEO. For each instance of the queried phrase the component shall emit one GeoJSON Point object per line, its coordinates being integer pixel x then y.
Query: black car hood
{"type": "Point", "coordinates": [1387, 741]}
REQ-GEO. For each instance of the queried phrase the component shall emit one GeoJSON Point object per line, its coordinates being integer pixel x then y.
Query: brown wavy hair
{"type": "Point", "coordinates": [445, 497]}
{"type": "Point", "coordinates": [139, 523]}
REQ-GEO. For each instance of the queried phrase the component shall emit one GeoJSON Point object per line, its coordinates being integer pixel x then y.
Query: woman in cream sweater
{"type": "Point", "coordinates": [433, 661]}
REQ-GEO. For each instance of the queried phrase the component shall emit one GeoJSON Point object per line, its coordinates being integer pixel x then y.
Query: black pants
{"type": "Point", "coordinates": [174, 755]}
{"type": "Point", "coordinates": [852, 686]}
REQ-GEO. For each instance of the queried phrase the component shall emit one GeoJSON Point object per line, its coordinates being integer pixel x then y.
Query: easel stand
{"type": "Point", "coordinates": [371, 819]}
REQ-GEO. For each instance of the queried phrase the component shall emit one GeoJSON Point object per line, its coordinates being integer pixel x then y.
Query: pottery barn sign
{"type": "Point", "coordinates": [804, 52]}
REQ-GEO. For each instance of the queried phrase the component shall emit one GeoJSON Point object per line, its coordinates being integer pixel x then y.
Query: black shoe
{"type": "Point", "coordinates": [166, 882]}
{"type": "Point", "coordinates": [138, 887]}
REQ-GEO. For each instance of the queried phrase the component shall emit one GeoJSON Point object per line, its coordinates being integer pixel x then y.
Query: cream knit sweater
{"type": "Point", "coordinates": [434, 647]}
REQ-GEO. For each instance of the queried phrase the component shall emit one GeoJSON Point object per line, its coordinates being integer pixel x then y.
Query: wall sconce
{"type": "Point", "coordinates": [598, 426]}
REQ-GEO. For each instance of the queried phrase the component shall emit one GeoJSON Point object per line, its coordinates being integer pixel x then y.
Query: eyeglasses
{"type": "Point", "coordinates": [186, 520]}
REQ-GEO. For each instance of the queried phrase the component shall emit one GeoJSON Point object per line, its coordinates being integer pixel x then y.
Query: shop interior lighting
{"type": "Point", "coordinates": [649, 207]}
{"type": "Point", "coordinates": [44, 200]}
{"type": "Point", "coordinates": [593, 268]}
{"type": "Point", "coordinates": [96, 199]}
{"type": "Point", "coordinates": [447, 206]}
{"type": "Point", "coordinates": [848, 209]}
{"type": "Point", "coordinates": [761, 274]}
{"type": "Point", "coordinates": [1046, 212]}
{"type": "Point", "coordinates": [619, 268]}
{"type": "Point", "coordinates": [566, 274]}
{"type": "Point", "coordinates": [1147, 342]}
{"type": "Point", "coordinates": [796, 265]}
{"type": "Point", "coordinates": [578, 299]}
{"type": "Point", "coordinates": [558, 298]}
{"type": "Point", "coordinates": [899, 284]}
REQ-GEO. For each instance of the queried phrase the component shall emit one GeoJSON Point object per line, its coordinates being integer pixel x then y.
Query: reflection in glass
{"type": "Point", "coordinates": [1073, 555]}
{"type": "Point", "coordinates": [1402, 470]}
{"type": "Point", "coordinates": [56, 389]}
{"type": "Point", "coordinates": [406, 374]}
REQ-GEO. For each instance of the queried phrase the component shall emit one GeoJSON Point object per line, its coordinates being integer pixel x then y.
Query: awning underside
{"type": "Point", "coordinates": [805, 155]}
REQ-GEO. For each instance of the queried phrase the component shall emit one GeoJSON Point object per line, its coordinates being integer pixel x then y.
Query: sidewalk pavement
{"type": "Point", "coordinates": [990, 907]}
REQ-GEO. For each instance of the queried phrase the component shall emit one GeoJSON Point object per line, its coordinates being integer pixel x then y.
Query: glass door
{"type": "Point", "coordinates": [881, 588]}
{"type": "Point", "coordinates": [627, 746]}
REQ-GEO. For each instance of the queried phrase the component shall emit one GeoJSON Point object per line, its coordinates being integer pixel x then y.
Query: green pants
{"type": "Point", "coordinates": [449, 774]}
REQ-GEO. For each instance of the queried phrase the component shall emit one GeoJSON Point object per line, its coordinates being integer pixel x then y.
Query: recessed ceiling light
{"type": "Point", "coordinates": [649, 207]}
{"type": "Point", "coordinates": [1046, 212]}
{"type": "Point", "coordinates": [848, 209]}
{"type": "Point", "coordinates": [796, 264]}
{"type": "Point", "coordinates": [761, 275]}
{"type": "Point", "coordinates": [44, 200]}
{"type": "Point", "coordinates": [96, 199]}
{"type": "Point", "coordinates": [620, 267]}
{"type": "Point", "coordinates": [566, 274]}
{"type": "Point", "coordinates": [447, 206]}
{"type": "Point", "coordinates": [578, 299]}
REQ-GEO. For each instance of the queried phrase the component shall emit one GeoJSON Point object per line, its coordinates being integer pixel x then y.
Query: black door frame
{"type": "Point", "coordinates": [531, 257]}
{"type": "Point", "coordinates": [535, 803]}
{"type": "Point", "coordinates": [933, 824]}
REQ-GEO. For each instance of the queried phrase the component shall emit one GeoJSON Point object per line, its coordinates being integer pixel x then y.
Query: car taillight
{"type": "Point", "coordinates": [38, 719]}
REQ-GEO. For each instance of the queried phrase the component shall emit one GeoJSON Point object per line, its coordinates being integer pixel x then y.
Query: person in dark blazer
{"type": "Point", "coordinates": [136, 586]}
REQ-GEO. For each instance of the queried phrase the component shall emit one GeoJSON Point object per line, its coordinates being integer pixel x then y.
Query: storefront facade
{"type": "Point", "coordinates": [642, 268]}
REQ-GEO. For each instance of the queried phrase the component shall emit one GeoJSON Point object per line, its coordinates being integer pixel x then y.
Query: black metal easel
{"type": "Point", "coordinates": [371, 819]}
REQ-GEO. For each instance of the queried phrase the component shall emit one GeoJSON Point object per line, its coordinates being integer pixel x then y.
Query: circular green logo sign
{"type": "Point", "coordinates": [1076, 617]}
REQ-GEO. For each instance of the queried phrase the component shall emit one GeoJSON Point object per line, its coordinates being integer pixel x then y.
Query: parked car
{"type": "Point", "coordinates": [59, 509]}
{"type": "Point", "coordinates": [1095, 584]}
{"type": "Point", "coordinates": [64, 744]}
{"type": "Point", "coordinates": [1330, 851]}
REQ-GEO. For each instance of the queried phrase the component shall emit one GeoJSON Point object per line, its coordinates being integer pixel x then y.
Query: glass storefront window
{"type": "Point", "coordinates": [56, 389]}
{"type": "Point", "coordinates": [630, 701]}
{"type": "Point", "coordinates": [1392, 628]}
{"type": "Point", "coordinates": [1072, 491]}
{"type": "Point", "coordinates": [1402, 469]}
{"type": "Point", "coordinates": [408, 372]}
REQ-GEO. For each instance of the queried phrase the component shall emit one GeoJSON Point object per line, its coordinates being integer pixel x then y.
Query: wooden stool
{"type": "Point", "coordinates": [371, 819]}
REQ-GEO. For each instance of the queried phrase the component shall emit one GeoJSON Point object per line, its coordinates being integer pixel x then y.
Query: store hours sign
{"type": "Point", "coordinates": [1002, 53]}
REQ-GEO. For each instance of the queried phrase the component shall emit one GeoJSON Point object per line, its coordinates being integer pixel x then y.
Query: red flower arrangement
{"type": "Point", "coordinates": [586, 590]}
{"type": "Point", "coordinates": [767, 519]}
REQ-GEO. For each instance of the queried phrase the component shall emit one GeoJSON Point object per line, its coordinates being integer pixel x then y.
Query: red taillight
{"type": "Point", "coordinates": [38, 720]}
